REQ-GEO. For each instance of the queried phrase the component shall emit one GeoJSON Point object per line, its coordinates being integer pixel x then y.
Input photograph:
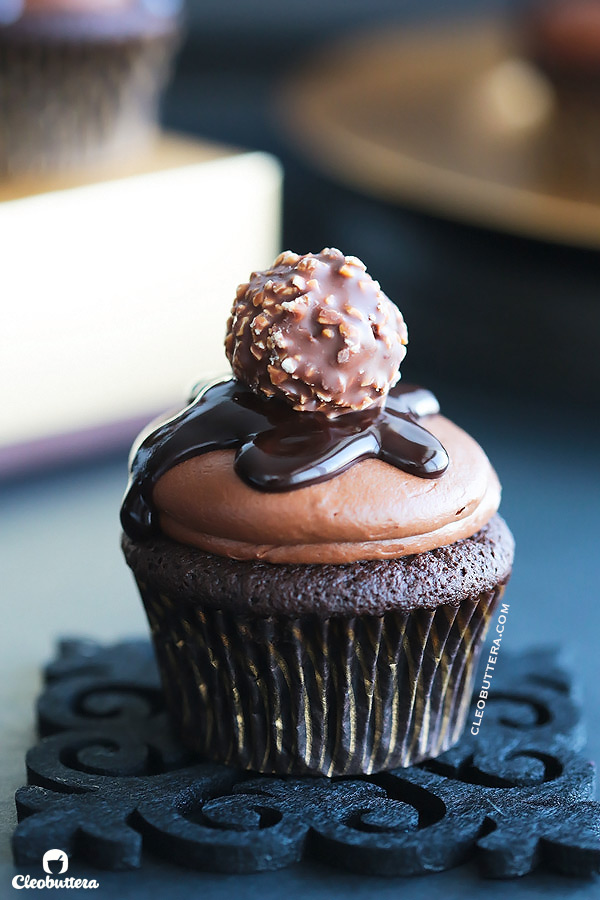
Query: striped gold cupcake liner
{"type": "Point", "coordinates": [338, 696]}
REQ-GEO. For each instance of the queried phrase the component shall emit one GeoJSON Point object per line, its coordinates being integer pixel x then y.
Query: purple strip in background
{"type": "Point", "coordinates": [62, 449]}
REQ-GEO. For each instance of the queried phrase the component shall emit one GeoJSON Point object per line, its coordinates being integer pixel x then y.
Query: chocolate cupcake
{"type": "Point", "coordinates": [562, 38]}
{"type": "Point", "coordinates": [80, 80]}
{"type": "Point", "coordinates": [317, 548]}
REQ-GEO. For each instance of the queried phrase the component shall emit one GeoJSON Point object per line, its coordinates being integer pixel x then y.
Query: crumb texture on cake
{"type": "Point", "coordinates": [448, 575]}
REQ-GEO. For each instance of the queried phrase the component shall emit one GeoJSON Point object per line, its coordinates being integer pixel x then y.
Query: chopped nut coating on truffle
{"type": "Point", "coordinates": [317, 331]}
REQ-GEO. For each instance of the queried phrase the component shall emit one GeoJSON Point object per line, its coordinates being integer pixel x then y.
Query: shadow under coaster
{"type": "Point", "coordinates": [108, 776]}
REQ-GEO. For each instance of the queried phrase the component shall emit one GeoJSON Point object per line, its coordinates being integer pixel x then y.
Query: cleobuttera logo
{"type": "Point", "coordinates": [54, 862]}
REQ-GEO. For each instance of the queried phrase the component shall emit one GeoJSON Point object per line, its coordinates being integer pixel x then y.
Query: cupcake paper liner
{"type": "Point", "coordinates": [336, 696]}
{"type": "Point", "coordinates": [68, 103]}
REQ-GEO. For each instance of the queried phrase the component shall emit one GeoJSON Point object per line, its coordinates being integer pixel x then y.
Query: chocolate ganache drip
{"type": "Point", "coordinates": [278, 449]}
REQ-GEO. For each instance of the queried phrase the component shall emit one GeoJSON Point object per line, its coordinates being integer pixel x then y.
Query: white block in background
{"type": "Point", "coordinates": [114, 296]}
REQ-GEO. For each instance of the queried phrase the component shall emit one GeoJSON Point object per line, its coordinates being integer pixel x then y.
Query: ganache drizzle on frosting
{"type": "Point", "coordinates": [277, 448]}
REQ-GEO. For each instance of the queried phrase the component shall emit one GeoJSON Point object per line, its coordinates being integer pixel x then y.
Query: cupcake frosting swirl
{"type": "Point", "coordinates": [373, 510]}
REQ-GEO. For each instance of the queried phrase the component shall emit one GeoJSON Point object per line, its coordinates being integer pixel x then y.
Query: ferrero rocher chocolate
{"type": "Point", "coordinates": [317, 331]}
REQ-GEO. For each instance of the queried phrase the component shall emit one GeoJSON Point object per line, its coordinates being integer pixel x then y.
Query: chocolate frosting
{"type": "Point", "coordinates": [277, 449]}
{"type": "Point", "coordinates": [370, 511]}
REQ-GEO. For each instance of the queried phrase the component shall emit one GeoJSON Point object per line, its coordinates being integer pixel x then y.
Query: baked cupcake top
{"type": "Point", "coordinates": [312, 452]}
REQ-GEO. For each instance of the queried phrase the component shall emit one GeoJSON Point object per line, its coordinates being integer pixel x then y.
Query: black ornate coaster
{"type": "Point", "coordinates": [108, 776]}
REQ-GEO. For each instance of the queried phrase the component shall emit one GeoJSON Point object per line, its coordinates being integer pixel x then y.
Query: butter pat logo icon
{"type": "Point", "coordinates": [55, 862]}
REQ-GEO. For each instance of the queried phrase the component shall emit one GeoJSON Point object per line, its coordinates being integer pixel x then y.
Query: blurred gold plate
{"type": "Point", "coordinates": [452, 123]}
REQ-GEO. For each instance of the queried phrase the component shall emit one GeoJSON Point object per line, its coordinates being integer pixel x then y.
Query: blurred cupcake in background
{"type": "Point", "coordinates": [562, 38]}
{"type": "Point", "coordinates": [80, 80]}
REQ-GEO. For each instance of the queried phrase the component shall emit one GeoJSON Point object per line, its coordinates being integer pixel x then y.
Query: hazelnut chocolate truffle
{"type": "Point", "coordinates": [317, 548]}
{"type": "Point", "coordinates": [318, 331]}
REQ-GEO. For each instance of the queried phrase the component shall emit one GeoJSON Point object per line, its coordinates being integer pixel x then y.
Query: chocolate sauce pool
{"type": "Point", "coordinates": [277, 448]}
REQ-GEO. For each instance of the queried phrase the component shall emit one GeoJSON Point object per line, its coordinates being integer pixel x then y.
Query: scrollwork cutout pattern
{"type": "Point", "coordinates": [108, 776]}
